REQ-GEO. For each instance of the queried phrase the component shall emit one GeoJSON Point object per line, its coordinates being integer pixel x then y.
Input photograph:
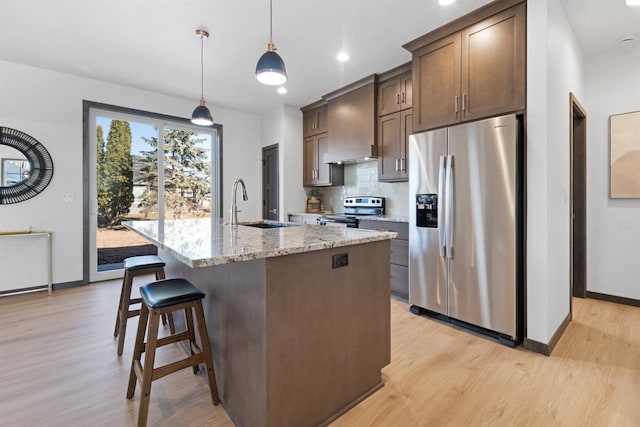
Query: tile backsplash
{"type": "Point", "coordinates": [361, 179]}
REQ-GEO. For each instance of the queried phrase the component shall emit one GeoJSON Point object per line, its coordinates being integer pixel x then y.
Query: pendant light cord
{"type": "Point", "coordinates": [271, 21]}
{"type": "Point", "coordinates": [202, 67]}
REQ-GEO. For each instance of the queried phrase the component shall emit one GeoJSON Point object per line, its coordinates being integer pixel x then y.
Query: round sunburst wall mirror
{"type": "Point", "coordinates": [26, 167]}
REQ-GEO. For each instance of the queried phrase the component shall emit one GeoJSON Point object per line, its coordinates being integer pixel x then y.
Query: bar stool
{"type": "Point", "coordinates": [161, 297]}
{"type": "Point", "coordinates": [136, 266]}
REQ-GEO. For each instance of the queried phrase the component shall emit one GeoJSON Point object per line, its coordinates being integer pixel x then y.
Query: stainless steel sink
{"type": "Point", "coordinates": [267, 224]}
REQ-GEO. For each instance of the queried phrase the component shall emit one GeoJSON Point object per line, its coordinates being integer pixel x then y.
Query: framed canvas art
{"type": "Point", "coordinates": [624, 155]}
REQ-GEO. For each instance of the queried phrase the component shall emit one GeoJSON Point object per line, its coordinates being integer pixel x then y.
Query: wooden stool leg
{"type": "Point", "coordinates": [188, 314]}
{"type": "Point", "coordinates": [172, 326]}
{"type": "Point", "coordinates": [124, 310]}
{"type": "Point", "coordinates": [166, 317]}
{"type": "Point", "coordinates": [147, 372]}
{"type": "Point", "coordinates": [206, 349]}
{"type": "Point", "coordinates": [116, 329]}
{"type": "Point", "coordinates": [138, 349]}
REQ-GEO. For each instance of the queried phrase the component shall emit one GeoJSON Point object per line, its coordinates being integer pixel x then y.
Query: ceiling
{"type": "Point", "coordinates": [150, 44]}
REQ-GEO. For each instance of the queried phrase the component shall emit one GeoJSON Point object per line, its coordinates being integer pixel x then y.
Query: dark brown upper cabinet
{"type": "Point", "coordinates": [393, 143]}
{"type": "Point", "coordinates": [475, 72]}
{"type": "Point", "coordinates": [315, 172]}
{"type": "Point", "coordinates": [315, 119]}
{"type": "Point", "coordinates": [395, 94]}
{"type": "Point", "coordinates": [394, 103]}
{"type": "Point", "coordinates": [352, 121]}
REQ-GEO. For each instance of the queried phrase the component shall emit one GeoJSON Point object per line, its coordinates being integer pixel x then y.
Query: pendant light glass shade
{"type": "Point", "coordinates": [201, 115]}
{"type": "Point", "coordinates": [270, 69]}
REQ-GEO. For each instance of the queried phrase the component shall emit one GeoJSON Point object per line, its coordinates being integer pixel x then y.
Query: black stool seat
{"type": "Point", "coordinates": [168, 292]}
{"type": "Point", "coordinates": [144, 261]}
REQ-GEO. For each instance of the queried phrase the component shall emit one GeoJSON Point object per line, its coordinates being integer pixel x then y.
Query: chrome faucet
{"type": "Point", "coordinates": [234, 205]}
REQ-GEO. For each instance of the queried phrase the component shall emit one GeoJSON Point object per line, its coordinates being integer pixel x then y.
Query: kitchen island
{"type": "Point", "coordinates": [298, 316]}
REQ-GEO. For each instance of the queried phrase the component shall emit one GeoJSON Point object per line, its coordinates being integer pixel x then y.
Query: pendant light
{"type": "Point", "coordinates": [201, 115]}
{"type": "Point", "coordinates": [270, 69]}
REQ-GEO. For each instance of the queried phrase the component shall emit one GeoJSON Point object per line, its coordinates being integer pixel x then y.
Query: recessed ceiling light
{"type": "Point", "coordinates": [448, 2]}
{"type": "Point", "coordinates": [342, 56]}
{"type": "Point", "coordinates": [633, 2]}
{"type": "Point", "coordinates": [282, 90]}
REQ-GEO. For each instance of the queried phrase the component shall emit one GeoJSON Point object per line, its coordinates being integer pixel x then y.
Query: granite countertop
{"type": "Point", "coordinates": [370, 217]}
{"type": "Point", "coordinates": [207, 242]}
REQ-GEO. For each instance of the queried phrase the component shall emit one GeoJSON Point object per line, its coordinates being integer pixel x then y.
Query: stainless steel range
{"type": "Point", "coordinates": [354, 207]}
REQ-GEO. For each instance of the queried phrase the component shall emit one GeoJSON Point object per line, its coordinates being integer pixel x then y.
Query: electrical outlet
{"type": "Point", "coordinates": [66, 198]}
{"type": "Point", "coordinates": [340, 260]}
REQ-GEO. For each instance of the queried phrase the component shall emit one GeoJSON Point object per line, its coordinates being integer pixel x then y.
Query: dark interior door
{"type": "Point", "coordinates": [270, 182]}
{"type": "Point", "coordinates": [578, 135]}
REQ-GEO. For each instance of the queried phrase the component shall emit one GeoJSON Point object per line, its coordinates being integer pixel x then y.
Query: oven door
{"type": "Point", "coordinates": [338, 222]}
{"type": "Point", "coordinates": [331, 222]}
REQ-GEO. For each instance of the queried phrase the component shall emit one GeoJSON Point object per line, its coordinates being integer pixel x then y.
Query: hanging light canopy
{"type": "Point", "coordinates": [201, 115]}
{"type": "Point", "coordinates": [270, 69]}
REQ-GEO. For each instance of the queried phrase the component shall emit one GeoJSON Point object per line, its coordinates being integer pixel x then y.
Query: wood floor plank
{"type": "Point", "coordinates": [58, 366]}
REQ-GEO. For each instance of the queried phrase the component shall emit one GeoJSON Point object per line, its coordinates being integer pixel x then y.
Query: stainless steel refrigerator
{"type": "Point", "coordinates": [465, 222]}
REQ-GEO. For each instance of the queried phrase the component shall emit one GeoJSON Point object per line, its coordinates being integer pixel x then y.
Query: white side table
{"type": "Point", "coordinates": [49, 236]}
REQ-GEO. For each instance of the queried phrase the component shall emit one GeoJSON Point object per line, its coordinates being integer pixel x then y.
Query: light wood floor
{"type": "Point", "coordinates": [58, 367]}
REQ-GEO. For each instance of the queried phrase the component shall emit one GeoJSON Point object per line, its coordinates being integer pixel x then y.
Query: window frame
{"type": "Point", "coordinates": [90, 109]}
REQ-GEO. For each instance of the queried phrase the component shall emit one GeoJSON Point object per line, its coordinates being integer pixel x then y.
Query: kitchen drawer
{"type": "Point", "coordinates": [400, 252]}
{"type": "Point", "coordinates": [400, 280]}
{"type": "Point", "coordinates": [402, 228]}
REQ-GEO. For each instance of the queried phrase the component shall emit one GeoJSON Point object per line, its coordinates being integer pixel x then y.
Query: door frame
{"type": "Point", "coordinates": [88, 135]}
{"type": "Point", "coordinates": [577, 136]}
{"type": "Point", "coordinates": [276, 177]}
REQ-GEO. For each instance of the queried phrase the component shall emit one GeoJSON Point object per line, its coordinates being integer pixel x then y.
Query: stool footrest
{"type": "Point", "coordinates": [173, 338]}
{"type": "Point", "coordinates": [170, 368]}
{"type": "Point", "coordinates": [135, 301]}
{"type": "Point", "coordinates": [133, 313]}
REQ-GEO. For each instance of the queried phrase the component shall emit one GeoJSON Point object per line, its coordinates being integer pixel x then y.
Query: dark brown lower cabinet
{"type": "Point", "coordinates": [399, 253]}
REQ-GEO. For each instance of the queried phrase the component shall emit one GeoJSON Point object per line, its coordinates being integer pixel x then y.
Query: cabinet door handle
{"type": "Point", "coordinates": [464, 103]}
{"type": "Point", "coordinates": [402, 165]}
{"type": "Point", "coordinates": [398, 98]}
{"type": "Point", "coordinates": [456, 104]}
{"type": "Point", "coordinates": [397, 165]}
{"type": "Point", "coordinates": [403, 100]}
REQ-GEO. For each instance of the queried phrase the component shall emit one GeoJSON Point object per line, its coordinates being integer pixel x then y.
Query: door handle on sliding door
{"type": "Point", "coordinates": [450, 206]}
{"type": "Point", "coordinates": [441, 217]}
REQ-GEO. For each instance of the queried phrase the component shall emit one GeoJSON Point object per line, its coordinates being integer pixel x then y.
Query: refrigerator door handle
{"type": "Point", "coordinates": [449, 206]}
{"type": "Point", "coordinates": [441, 224]}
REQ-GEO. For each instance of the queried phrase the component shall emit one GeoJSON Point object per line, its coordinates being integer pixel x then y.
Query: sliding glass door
{"type": "Point", "coordinates": [145, 169]}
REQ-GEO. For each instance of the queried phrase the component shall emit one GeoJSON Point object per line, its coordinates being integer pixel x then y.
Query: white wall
{"type": "Point", "coordinates": [554, 69]}
{"type": "Point", "coordinates": [283, 126]}
{"type": "Point", "coordinates": [613, 225]}
{"type": "Point", "coordinates": [48, 106]}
